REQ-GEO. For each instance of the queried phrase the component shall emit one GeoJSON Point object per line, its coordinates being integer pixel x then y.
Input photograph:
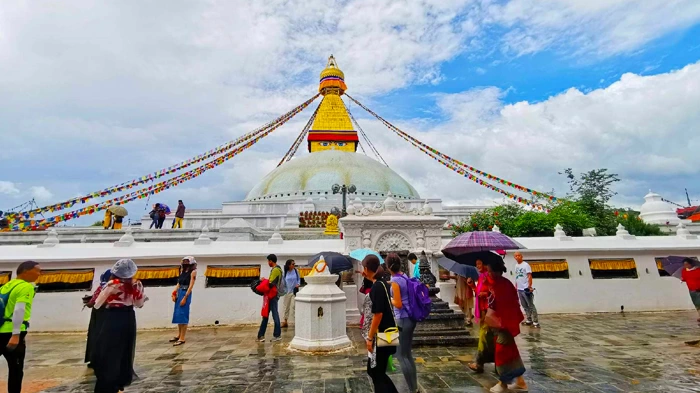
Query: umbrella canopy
{"type": "Point", "coordinates": [470, 258]}
{"type": "Point", "coordinates": [673, 265]}
{"type": "Point", "coordinates": [479, 241]}
{"type": "Point", "coordinates": [118, 211]}
{"type": "Point", "coordinates": [459, 269]}
{"type": "Point", "coordinates": [336, 262]}
{"type": "Point", "coordinates": [164, 206]}
{"type": "Point", "coordinates": [361, 253]}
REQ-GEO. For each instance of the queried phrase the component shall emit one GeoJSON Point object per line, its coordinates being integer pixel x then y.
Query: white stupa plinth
{"type": "Point", "coordinates": [657, 211]}
{"type": "Point", "coordinates": [320, 314]}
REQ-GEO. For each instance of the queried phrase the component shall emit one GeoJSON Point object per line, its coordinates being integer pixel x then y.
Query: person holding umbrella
{"type": "Point", "coordinates": [484, 352]}
{"type": "Point", "coordinates": [690, 275]}
{"type": "Point", "coordinates": [94, 325]}
{"type": "Point", "coordinates": [503, 317]}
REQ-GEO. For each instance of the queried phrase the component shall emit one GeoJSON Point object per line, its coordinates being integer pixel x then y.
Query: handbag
{"type": "Point", "coordinates": [390, 336]}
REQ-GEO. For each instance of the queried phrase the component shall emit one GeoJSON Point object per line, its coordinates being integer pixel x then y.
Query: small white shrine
{"type": "Point", "coordinates": [320, 313]}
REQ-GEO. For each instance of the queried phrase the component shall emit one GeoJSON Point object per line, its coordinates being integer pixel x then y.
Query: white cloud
{"type": "Point", "coordinates": [646, 128]}
{"type": "Point", "coordinates": [8, 188]}
{"type": "Point", "coordinates": [588, 27]}
{"type": "Point", "coordinates": [41, 193]}
{"type": "Point", "coordinates": [106, 93]}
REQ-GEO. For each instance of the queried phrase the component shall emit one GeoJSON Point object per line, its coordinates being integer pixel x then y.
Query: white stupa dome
{"type": "Point", "coordinates": [313, 175]}
{"type": "Point", "coordinates": [656, 211]}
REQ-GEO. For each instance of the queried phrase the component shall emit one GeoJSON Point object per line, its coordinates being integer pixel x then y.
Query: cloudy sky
{"type": "Point", "coordinates": [96, 94]}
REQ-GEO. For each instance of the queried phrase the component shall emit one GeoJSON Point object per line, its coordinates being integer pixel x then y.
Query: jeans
{"type": "Point", "coordinates": [15, 361]}
{"type": "Point", "coordinates": [154, 223]}
{"type": "Point", "coordinates": [527, 300]}
{"type": "Point", "coordinates": [408, 364]}
{"type": "Point", "coordinates": [382, 383]}
{"type": "Point", "coordinates": [274, 310]}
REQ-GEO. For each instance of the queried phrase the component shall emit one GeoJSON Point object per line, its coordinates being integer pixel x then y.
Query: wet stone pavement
{"type": "Point", "coordinates": [571, 353]}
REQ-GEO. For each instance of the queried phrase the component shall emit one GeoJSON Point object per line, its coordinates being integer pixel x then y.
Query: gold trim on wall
{"type": "Point", "coordinates": [74, 276]}
{"type": "Point", "coordinates": [558, 265]}
{"type": "Point", "coordinates": [612, 264]}
{"type": "Point", "coordinates": [5, 277]}
{"type": "Point", "coordinates": [232, 271]}
{"type": "Point", "coordinates": [157, 272]}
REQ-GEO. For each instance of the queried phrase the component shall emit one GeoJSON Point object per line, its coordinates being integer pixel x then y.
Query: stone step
{"type": "Point", "coordinates": [444, 338]}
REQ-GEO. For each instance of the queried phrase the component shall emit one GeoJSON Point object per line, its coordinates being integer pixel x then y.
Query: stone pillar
{"type": "Point", "coordinates": [320, 315]}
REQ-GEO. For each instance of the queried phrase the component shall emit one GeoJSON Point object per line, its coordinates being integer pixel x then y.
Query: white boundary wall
{"type": "Point", "coordinates": [238, 305]}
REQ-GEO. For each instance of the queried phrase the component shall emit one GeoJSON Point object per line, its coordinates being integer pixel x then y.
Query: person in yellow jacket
{"type": "Point", "coordinates": [17, 296]}
{"type": "Point", "coordinates": [107, 223]}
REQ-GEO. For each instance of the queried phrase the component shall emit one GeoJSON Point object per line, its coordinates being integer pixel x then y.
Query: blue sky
{"type": "Point", "coordinates": [521, 88]}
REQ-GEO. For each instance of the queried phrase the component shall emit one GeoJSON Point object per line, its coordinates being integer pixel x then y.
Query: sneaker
{"type": "Point", "coordinates": [498, 388]}
{"type": "Point", "coordinates": [527, 323]}
{"type": "Point", "coordinates": [261, 339]}
{"type": "Point", "coordinates": [537, 325]}
{"type": "Point", "coordinates": [514, 387]}
{"type": "Point", "coordinates": [276, 339]}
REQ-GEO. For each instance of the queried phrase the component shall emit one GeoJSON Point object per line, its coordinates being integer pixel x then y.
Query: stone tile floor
{"type": "Point", "coordinates": [571, 353]}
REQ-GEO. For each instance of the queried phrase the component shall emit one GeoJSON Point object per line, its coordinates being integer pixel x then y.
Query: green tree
{"type": "Point", "coordinates": [593, 190]}
{"type": "Point", "coordinates": [97, 223]}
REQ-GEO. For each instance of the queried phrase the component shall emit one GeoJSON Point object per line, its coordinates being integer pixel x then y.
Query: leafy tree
{"type": "Point", "coordinates": [593, 190]}
{"type": "Point", "coordinates": [635, 226]}
{"type": "Point", "coordinates": [97, 223]}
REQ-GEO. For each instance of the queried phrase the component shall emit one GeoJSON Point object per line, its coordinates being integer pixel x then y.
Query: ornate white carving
{"type": "Point", "coordinates": [434, 244]}
{"type": "Point", "coordinates": [420, 239]}
{"type": "Point", "coordinates": [366, 238]}
{"type": "Point", "coordinates": [393, 241]}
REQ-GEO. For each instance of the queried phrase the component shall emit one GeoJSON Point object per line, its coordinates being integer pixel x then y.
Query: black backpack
{"type": "Point", "coordinates": [254, 286]}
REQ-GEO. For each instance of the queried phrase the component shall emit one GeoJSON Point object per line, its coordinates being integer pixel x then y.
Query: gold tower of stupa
{"type": "Point", "coordinates": [332, 128]}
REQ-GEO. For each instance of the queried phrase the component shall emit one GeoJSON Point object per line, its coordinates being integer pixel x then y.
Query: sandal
{"type": "Point", "coordinates": [476, 368]}
{"type": "Point", "coordinates": [178, 343]}
{"type": "Point", "coordinates": [174, 339]}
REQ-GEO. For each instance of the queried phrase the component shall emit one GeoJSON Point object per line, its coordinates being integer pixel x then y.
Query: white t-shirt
{"type": "Point", "coordinates": [521, 272]}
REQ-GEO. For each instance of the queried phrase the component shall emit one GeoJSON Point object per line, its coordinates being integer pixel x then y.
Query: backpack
{"type": "Point", "coordinates": [5, 299]}
{"type": "Point", "coordinates": [419, 303]}
{"type": "Point", "coordinates": [282, 286]}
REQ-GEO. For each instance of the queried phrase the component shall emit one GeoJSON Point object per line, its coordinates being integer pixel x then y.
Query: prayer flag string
{"type": "Point", "coordinates": [463, 169]}
{"type": "Point", "coordinates": [29, 214]}
{"type": "Point", "coordinates": [151, 190]}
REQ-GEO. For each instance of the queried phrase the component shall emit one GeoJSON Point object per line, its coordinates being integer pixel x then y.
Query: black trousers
{"type": "Point", "coordinates": [113, 351]}
{"type": "Point", "coordinates": [159, 225]}
{"type": "Point", "coordinates": [15, 361]}
{"type": "Point", "coordinates": [382, 383]}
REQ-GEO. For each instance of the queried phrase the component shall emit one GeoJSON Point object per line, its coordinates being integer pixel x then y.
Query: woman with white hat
{"type": "Point", "coordinates": [182, 296]}
{"type": "Point", "coordinates": [115, 343]}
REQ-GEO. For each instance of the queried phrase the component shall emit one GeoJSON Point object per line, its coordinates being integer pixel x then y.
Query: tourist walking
{"type": "Point", "coordinates": [182, 296]}
{"type": "Point", "coordinates": [275, 280]}
{"type": "Point", "coordinates": [94, 325]}
{"type": "Point", "coordinates": [691, 276]}
{"type": "Point", "coordinates": [382, 319]}
{"type": "Point", "coordinates": [115, 343]}
{"type": "Point", "coordinates": [503, 317]}
{"type": "Point", "coordinates": [154, 216]}
{"type": "Point", "coordinates": [17, 296]}
{"type": "Point", "coordinates": [292, 281]}
{"type": "Point", "coordinates": [464, 297]}
{"type": "Point", "coordinates": [399, 299]}
{"type": "Point", "coordinates": [485, 348]}
{"type": "Point", "coordinates": [416, 265]}
{"type": "Point", "coordinates": [179, 215]}
{"type": "Point", "coordinates": [526, 294]}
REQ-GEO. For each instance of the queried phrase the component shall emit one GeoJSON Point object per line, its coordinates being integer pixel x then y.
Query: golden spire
{"type": "Point", "coordinates": [332, 79]}
{"type": "Point", "coordinates": [332, 128]}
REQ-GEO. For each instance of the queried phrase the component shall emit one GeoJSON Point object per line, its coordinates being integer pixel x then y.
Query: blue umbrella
{"type": "Point", "coordinates": [459, 269]}
{"type": "Point", "coordinates": [361, 253]}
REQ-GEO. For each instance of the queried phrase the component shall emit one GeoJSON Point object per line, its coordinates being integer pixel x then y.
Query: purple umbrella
{"type": "Point", "coordinates": [479, 241]}
{"type": "Point", "coordinates": [674, 265]}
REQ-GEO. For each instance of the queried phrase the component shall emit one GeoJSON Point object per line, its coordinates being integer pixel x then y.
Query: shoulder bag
{"type": "Point", "coordinates": [390, 336]}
